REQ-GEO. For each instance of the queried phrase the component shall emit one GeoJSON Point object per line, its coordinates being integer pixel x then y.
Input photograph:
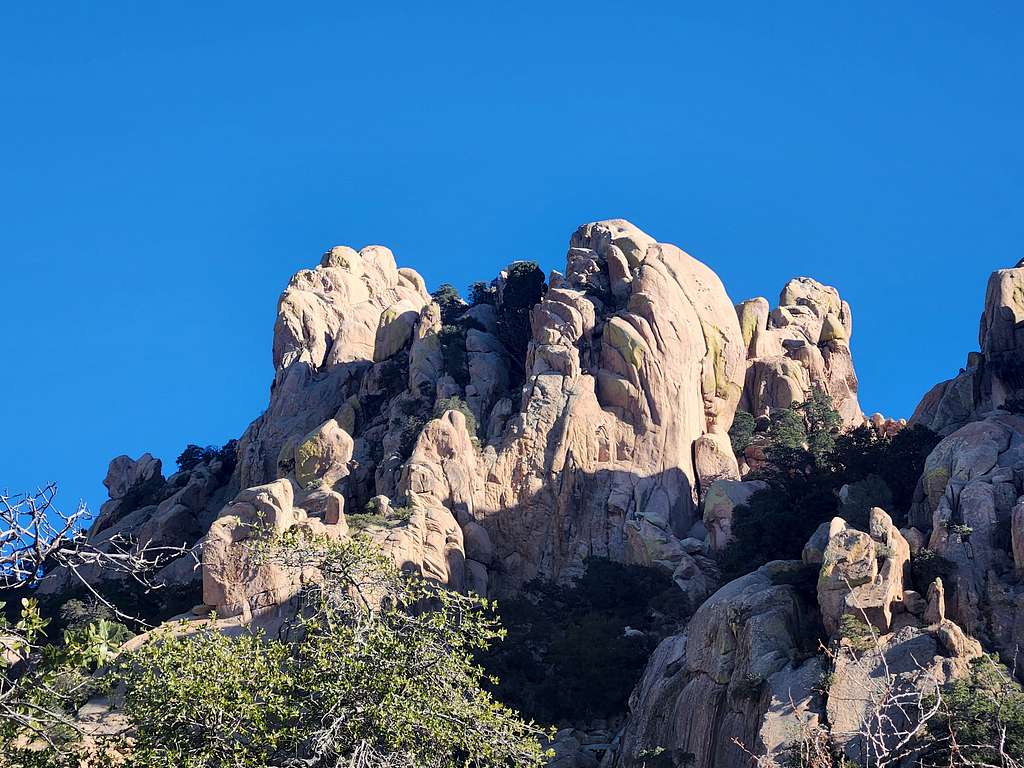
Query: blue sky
{"type": "Point", "coordinates": [167, 166]}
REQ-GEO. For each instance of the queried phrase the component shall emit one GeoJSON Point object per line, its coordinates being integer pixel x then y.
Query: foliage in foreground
{"type": "Point", "coordinates": [377, 670]}
{"type": "Point", "coordinates": [43, 682]}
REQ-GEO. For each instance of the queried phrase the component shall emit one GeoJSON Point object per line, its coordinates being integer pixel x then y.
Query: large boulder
{"type": "Point", "coordinates": [236, 580]}
{"type": "Point", "coordinates": [871, 694]}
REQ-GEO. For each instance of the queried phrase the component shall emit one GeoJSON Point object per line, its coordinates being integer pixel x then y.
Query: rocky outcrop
{"type": "Point", "coordinates": [333, 323]}
{"type": "Point", "coordinates": [741, 671]}
{"type": "Point", "coordinates": [992, 378]}
{"type": "Point", "coordinates": [863, 574]}
{"type": "Point", "coordinates": [749, 666]}
{"type": "Point", "coordinates": [155, 516]}
{"type": "Point", "coordinates": [801, 344]}
{"type": "Point", "coordinates": [636, 355]}
{"type": "Point", "coordinates": [863, 696]}
{"type": "Point", "coordinates": [632, 375]}
{"type": "Point", "coordinates": [972, 483]}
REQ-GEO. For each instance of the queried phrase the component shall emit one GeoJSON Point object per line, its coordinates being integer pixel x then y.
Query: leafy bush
{"type": "Point", "coordinates": [821, 423]}
{"type": "Point", "coordinates": [482, 293]}
{"type": "Point", "coordinates": [567, 655]}
{"type": "Point", "coordinates": [371, 683]}
{"type": "Point", "coordinates": [928, 565]}
{"type": "Point", "coordinates": [857, 633]}
{"type": "Point", "coordinates": [410, 427]}
{"type": "Point", "coordinates": [898, 461]}
{"type": "Point", "coordinates": [803, 485]}
{"type": "Point", "coordinates": [861, 496]}
{"type": "Point", "coordinates": [776, 522]}
{"type": "Point", "coordinates": [786, 430]}
{"type": "Point", "coordinates": [375, 517]}
{"type": "Point", "coordinates": [41, 694]}
{"type": "Point", "coordinates": [741, 434]}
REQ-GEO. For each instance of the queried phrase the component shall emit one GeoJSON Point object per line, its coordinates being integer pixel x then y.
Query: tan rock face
{"type": "Point", "coordinates": [600, 459]}
{"type": "Point", "coordinates": [330, 321]}
{"type": "Point", "coordinates": [633, 373]}
{"type": "Point", "coordinates": [862, 574]}
{"type": "Point", "coordinates": [801, 344]}
{"type": "Point", "coordinates": [235, 581]}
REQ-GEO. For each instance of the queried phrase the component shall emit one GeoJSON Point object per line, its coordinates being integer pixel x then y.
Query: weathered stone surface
{"type": "Point", "coordinates": [863, 575]}
{"type": "Point", "coordinates": [1017, 534]}
{"type": "Point", "coordinates": [814, 550]}
{"type": "Point", "coordinates": [232, 582]}
{"type": "Point", "coordinates": [863, 685]}
{"type": "Point", "coordinates": [713, 460]}
{"type": "Point", "coordinates": [330, 322]}
{"type": "Point", "coordinates": [125, 474]}
{"type": "Point", "coordinates": [600, 460]}
{"type": "Point", "coordinates": [935, 612]}
{"type": "Point", "coordinates": [801, 344]}
{"type": "Point", "coordinates": [322, 456]}
{"type": "Point", "coordinates": [438, 484]}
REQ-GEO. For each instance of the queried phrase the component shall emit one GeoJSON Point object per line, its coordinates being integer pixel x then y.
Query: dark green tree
{"type": "Point", "coordinates": [741, 434]}
{"type": "Point", "coordinates": [821, 423]}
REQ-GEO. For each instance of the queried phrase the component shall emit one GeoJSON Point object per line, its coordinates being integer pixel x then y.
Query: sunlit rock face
{"type": "Point", "coordinates": [801, 344]}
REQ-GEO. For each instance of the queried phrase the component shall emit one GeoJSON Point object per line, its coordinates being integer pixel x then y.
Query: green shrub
{"type": "Point", "coordinates": [980, 713]}
{"type": "Point", "coordinates": [776, 522]}
{"type": "Point", "coordinates": [482, 293]}
{"type": "Point", "coordinates": [857, 633]}
{"type": "Point", "coordinates": [898, 461]}
{"type": "Point", "coordinates": [194, 455]}
{"type": "Point", "coordinates": [741, 434]}
{"type": "Point", "coordinates": [409, 430]}
{"type": "Point", "coordinates": [786, 430]}
{"type": "Point", "coordinates": [453, 352]}
{"type": "Point", "coordinates": [821, 423]}
{"type": "Point", "coordinates": [861, 496]}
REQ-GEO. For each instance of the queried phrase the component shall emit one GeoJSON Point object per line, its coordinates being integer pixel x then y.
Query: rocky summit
{"type": "Point", "coordinates": [829, 571]}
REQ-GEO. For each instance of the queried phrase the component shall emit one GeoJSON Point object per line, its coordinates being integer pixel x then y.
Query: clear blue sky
{"type": "Point", "coordinates": [167, 166]}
